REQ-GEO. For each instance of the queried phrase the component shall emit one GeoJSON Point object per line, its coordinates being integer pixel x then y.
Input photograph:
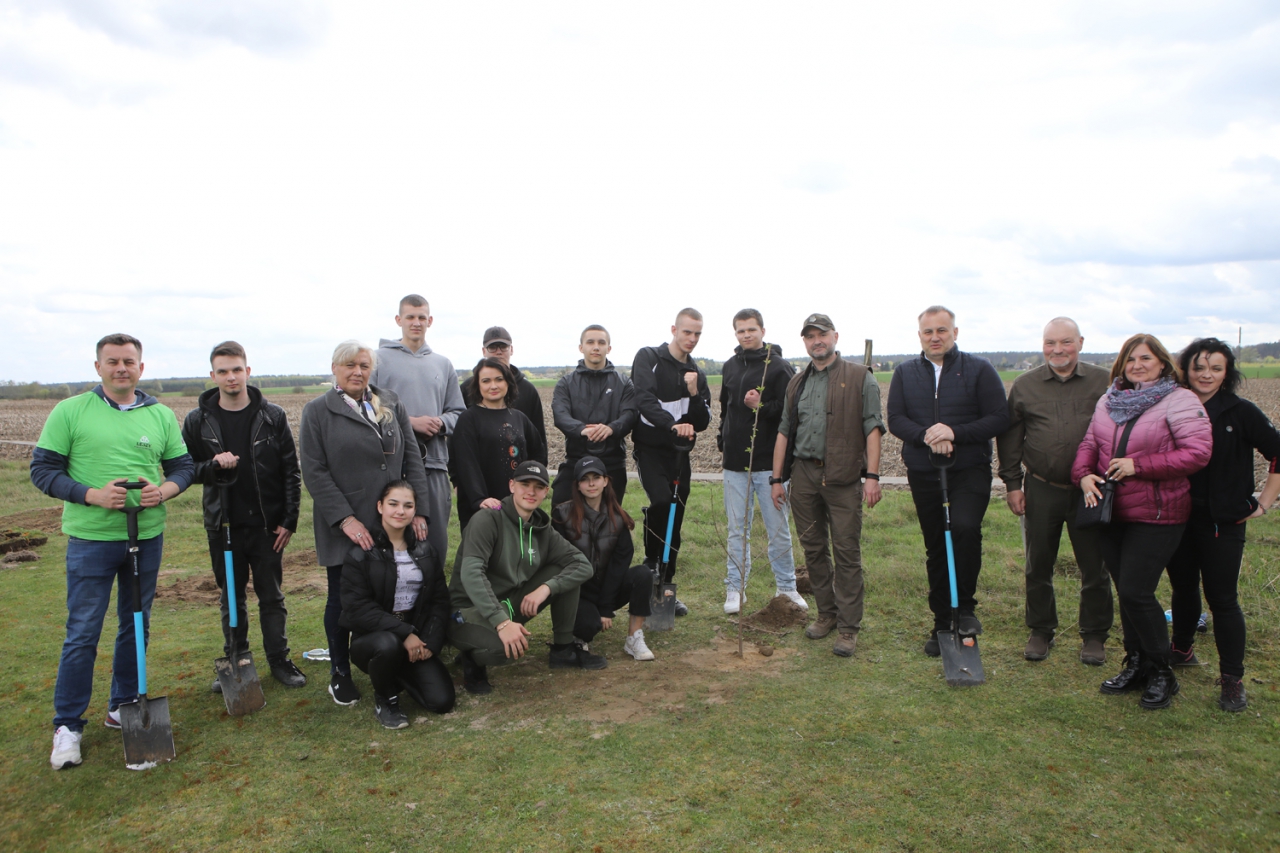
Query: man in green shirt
{"type": "Point", "coordinates": [90, 445]}
{"type": "Point", "coordinates": [828, 442]}
{"type": "Point", "coordinates": [1049, 409]}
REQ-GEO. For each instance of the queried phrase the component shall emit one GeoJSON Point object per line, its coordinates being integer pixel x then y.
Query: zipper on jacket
{"type": "Point", "coordinates": [1159, 505]}
{"type": "Point", "coordinates": [253, 462]}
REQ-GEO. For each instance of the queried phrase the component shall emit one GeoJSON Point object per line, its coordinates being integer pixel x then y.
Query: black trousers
{"type": "Point", "coordinates": [383, 657]}
{"type": "Point", "coordinates": [562, 486]}
{"type": "Point", "coordinates": [658, 469]}
{"type": "Point", "coordinates": [634, 591]}
{"type": "Point", "coordinates": [339, 637]}
{"type": "Point", "coordinates": [969, 490]}
{"type": "Point", "coordinates": [252, 554]}
{"type": "Point", "coordinates": [1210, 554]}
{"type": "Point", "coordinates": [1135, 554]}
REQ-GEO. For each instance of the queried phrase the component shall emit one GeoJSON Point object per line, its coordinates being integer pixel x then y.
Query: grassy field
{"type": "Point", "coordinates": [699, 750]}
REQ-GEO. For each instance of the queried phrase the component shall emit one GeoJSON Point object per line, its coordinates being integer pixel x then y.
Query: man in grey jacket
{"type": "Point", "coordinates": [427, 384]}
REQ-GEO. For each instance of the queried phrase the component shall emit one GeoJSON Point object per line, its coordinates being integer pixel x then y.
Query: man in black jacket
{"type": "Point", "coordinates": [595, 408]}
{"type": "Point", "coordinates": [753, 388]}
{"type": "Point", "coordinates": [244, 452]}
{"type": "Point", "coordinates": [497, 345]}
{"type": "Point", "coordinates": [674, 403]}
{"type": "Point", "coordinates": [950, 404]}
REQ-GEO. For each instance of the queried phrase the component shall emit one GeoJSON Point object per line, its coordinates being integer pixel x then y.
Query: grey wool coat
{"type": "Point", "coordinates": [345, 464]}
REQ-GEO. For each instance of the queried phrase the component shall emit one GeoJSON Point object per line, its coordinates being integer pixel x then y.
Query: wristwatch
{"type": "Point", "coordinates": [775, 481]}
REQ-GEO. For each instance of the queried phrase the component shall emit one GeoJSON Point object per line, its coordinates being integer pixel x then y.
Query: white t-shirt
{"type": "Point", "coordinates": [408, 582]}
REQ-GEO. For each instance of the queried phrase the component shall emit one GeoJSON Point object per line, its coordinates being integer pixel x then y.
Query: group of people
{"type": "Point", "coordinates": [1168, 444]}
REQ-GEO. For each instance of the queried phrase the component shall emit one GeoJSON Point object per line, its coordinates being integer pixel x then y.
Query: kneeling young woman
{"type": "Point", "coordinates": [396, 603]}
{"type": "Point", "coordinates": [594, 521]}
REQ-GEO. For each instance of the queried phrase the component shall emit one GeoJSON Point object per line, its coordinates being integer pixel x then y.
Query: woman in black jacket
{"type": "Point", "coordinates": [600, 528]}
{"type": "Point", "coordinates": [1221, 502]}
{"type": "Point", "coordinates": [396, 603]}
{"type": "Point", "coordinates": [490, 440]}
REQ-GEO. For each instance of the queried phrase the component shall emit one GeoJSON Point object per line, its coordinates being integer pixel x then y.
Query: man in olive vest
{"type": "Point", "coordinates": [828, 442]}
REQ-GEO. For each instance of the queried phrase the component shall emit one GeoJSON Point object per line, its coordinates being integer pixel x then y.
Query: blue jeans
{"type": "Point", "coordinates": [92, 568]}
{"type": "Point", "coordinates": [738, 491]}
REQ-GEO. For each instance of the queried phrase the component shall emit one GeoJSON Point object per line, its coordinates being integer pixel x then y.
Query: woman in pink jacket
{"type": "Point", "coordinates": [1171, 439]}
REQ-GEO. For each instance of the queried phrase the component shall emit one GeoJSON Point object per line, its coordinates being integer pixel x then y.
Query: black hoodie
{"type": "Point", "coordinates": [589, 396]}
{"type": "Point", "coordinates": [661, 393]}
{"type": "Point", "coordinates": [744, 371]}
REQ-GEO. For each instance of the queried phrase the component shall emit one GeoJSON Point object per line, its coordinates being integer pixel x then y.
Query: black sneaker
{"type": "Point", "coordinates": [387, 710]}
{"type": "Point", "coordinates": [931, 647]}
{"type": "Point", "coordinates": [475, 678]}
{"type": "Point", "coordinates": [681, 610]}
{"type": "Point", "coordinates": [576, 655]}
{"type": "Point", "coordinates": [288, 674]}
{"type": "Point", "coordinates": [1181, 657]}
{"type": "Point", "coordinates": [1233, 697]}
{"type": "Point", "coordinates": [343, 689]}
{"type": "Point", "coordinates": [967, 625]}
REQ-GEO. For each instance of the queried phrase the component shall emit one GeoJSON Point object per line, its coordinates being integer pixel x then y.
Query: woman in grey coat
{"type": "Point", "coordinates": [353, 442]}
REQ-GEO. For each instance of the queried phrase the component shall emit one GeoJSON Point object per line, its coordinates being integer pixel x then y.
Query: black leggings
{"type": "Point", "coordinates": [1210, 553]}
{"type": "Point", "coordinates": [339, 637]}
{"type": "Point", "coordinates": [634, 591]}
{"type": "Point", "coordinates": [1135, 554]}
{"type": "Point", "coordinates": [383, 656]}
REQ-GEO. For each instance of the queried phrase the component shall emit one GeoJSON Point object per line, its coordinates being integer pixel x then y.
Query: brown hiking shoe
{"type": "Point", "coordinates": [845, 645]}
{"type": "Point", "coordinates": [1093, 652]}
{"type": "Point", "coordinates": [1037, 647]}
{"type": "Point", "coordinates": [820, 628]}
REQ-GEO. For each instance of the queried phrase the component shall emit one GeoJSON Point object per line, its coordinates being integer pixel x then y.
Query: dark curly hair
{"type": "Point", "coordinates": [1209, 346]}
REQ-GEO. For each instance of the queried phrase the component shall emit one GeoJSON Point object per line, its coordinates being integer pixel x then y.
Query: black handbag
{"type": "Point", "coordinates": [1100, 513]}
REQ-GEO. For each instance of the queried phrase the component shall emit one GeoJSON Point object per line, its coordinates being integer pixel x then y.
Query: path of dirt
{"type": "Point", "coordinates": [302, 577]}
{"type": "Point", "coordinates": [48, 520]}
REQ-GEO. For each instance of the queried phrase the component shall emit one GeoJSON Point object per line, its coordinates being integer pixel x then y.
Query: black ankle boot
{"type": "Point", "coordinates": [1131, 676]}
{"type": "Point", "coordinates": [1161, 687]}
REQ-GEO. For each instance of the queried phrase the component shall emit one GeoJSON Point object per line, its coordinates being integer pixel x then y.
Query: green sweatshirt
{"type": "Point", "coordinates": [500, 552]}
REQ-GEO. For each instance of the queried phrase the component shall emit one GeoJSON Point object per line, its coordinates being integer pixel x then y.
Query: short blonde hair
{"type": "Point", "coordinates": [348, 350]}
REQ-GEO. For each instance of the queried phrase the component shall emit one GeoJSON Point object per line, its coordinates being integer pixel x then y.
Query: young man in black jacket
{"type": "Point", "coordinates": [244, 452]}
{"type": "Point", "coordinates": [753, 390]}
{"type": "Point", "coordinates": [675, 404]}
{"type": "Point", "coordinates": [951, 404]}
{"type": "Point", "coordinates": [497, 345]}
{"type": "Point", "coordinates": [595, 408]}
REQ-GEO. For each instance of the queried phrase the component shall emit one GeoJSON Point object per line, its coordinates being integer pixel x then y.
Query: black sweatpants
{"type": "Point", "coordinates": [1135, 554]}
{"type": "Point", "coordinates": [383, 656]}
{"type": "Point", "coordinates": [969, 490]}
{"type": "Point", "coordinates": [658, 469]}
{"type": "Point", "coordinates": [634, 591]}
{"type": "Point", "coordinates": [252, 554]}
{"type": "Point", "coordinates": [1210, 553]}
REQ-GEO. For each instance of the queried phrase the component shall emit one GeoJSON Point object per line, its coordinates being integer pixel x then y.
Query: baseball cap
{"type": "Point", "coordinates": [821, 322]}
{"type": "Point", "coordinates": [589, 465]}
{"type": "Point", "coordinates": [531, 470]}
{"type": "Point", "coordinates": [496, 335]}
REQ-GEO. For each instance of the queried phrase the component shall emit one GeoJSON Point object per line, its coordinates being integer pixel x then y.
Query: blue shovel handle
{"type": "Point", "coordinates": [231, 589]}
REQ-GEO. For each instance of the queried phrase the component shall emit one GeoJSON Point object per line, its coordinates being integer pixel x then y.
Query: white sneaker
{"type": "Point", "coordinates": [635, 647]}
{"type": "Point", "coordinates": [732, 602]}
{"type": "Point", "coordinates": [66, 748]}
{"type": "Point", "coordinates": [796, 597]}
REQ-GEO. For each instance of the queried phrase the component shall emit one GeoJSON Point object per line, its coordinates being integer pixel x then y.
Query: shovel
{"type": "Point", "coordinates": [144, 723]}
{"type": "Point", "coordinates": [237, 676]}
{"type": "Point", "coordinates": [961, 663]}
{"type": "Point", "coordinates": [662, 599]}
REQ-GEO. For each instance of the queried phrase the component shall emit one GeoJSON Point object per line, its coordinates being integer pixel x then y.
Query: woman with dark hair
{"type": "Point", "coordinates": [599, 527]}
{"type": "Point", "coordinates": [354, 439]}
{"type": "Point", "coordinates": [396, 604]}
{"type": "Point", "coordinates": [1147, 436]}
{"type": "Point", "coordinates": [490, 439]}
{"type": "Point", "coordinates": [1221, 502]}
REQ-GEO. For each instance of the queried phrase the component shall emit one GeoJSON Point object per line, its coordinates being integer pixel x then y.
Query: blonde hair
{"type": "Point", "coordinates": [349, 350]}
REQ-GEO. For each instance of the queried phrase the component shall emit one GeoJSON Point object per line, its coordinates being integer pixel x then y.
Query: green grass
{"type": "Point", "coordinates": [803, 752]}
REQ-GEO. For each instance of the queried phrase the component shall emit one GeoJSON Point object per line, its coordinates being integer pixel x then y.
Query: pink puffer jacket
{"type": "Point", "coordinates": [1170, 441]}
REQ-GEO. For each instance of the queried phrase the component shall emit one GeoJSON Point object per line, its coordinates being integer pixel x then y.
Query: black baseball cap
{"type": "Point", "coordinates": [588, 465]}
{"type": "Point", "coordinates": [531, 470]}
{"type": "Point", "coordinates": [496, 335]}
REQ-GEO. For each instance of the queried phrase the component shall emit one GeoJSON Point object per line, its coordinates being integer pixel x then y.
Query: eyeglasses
{"type": "Point", "coordinates": [497, 347]}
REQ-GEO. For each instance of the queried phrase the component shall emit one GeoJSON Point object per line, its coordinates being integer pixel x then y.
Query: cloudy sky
{"type": "Point", "coordinates": [282, 172]}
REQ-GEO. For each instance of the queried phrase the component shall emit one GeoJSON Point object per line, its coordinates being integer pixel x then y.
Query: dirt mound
{"type": "Point", "coordinates": [302, 576]}
{"type": "Point", "coordinates": [19, 540]}
{"type": "Point", "coordinates": [803, 585]}
{"type": "Point", "coordinates": [47, 520]}
{"type": "Point", "coordinates": [778, 615]}
{"type": "Point", "coordinates": [15, 557]}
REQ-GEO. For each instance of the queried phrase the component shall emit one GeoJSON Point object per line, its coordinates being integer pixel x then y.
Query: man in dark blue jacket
{"type": "Point", "coordinates": [950, 404]}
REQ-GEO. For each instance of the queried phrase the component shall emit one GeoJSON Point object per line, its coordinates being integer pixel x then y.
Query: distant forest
{"type": "Point", "coordinates": [1003, 360]}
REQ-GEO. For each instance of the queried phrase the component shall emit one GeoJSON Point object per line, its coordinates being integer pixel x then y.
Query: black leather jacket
{"type": "Point", "coordinates": [273, 462]}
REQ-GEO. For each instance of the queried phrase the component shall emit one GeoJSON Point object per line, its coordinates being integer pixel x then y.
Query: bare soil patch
{"type": "Point", "coordinates": [20, 540]}
{"type": "Point", "coordinates": [779, 614]}
{"type": "Point", "coordinates": [48, 520]}
{"type": "Point", "coordinates": [302, 577]}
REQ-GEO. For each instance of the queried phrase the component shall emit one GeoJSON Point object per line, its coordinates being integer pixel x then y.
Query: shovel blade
{"type": "Point", "coordinates": [147, 732]}
{"type": "Point", "coordinates": [961, 663]}
{"type": "Point", "coordinates": [241, 688]}
{"type": "Point", "coordinates": [662, 608]}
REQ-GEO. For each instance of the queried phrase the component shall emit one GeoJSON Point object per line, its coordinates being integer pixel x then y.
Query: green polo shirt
{"type": "Point", "coordinates": [811, 412]}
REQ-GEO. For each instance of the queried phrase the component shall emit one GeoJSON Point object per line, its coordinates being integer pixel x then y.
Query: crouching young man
{"type": "Point", "coordinates": [511, 565]}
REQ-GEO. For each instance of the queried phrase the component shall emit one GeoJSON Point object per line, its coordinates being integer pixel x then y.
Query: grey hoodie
{"type": "Point", "coordinates": [426, 384]}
